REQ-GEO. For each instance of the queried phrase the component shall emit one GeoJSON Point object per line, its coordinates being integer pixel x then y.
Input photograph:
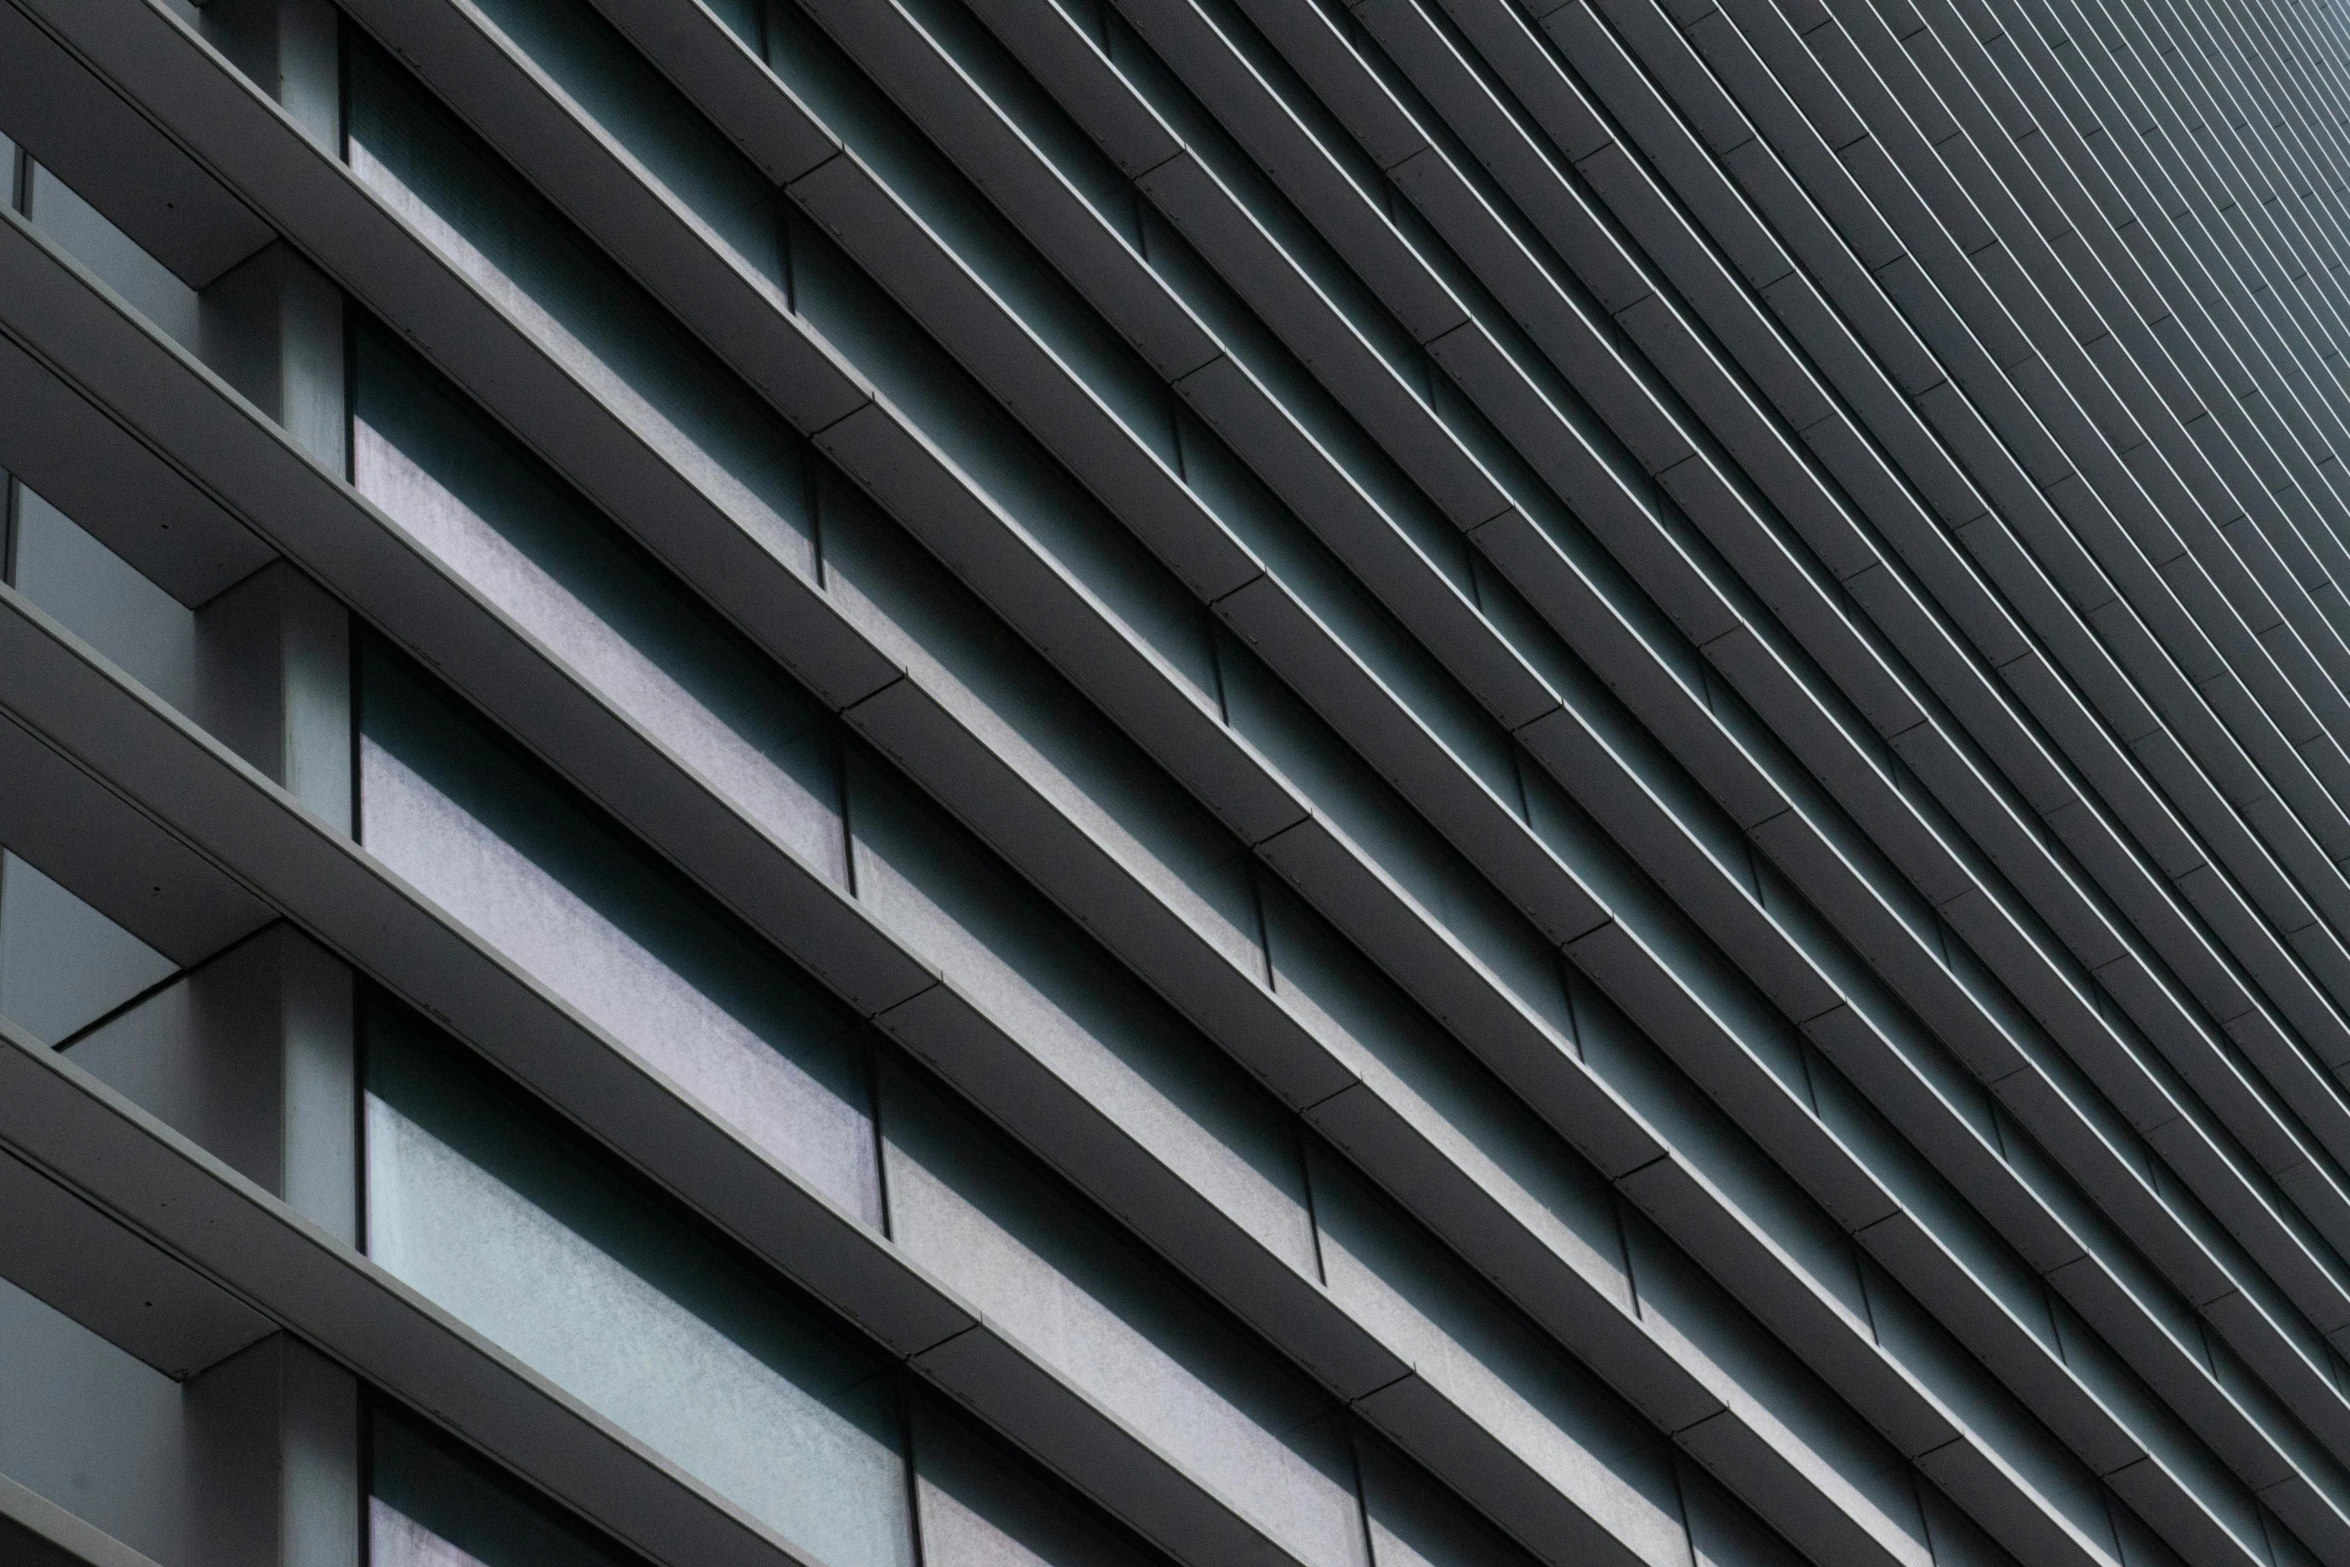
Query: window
{"type": "Point", "coordinates": [510, 1220]}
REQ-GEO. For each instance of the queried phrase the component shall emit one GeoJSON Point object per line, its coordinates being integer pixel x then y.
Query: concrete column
{"type": "Point", "coordinates": [273, 684]}
{"type": "Point", "coordinates": [251, 1053]}
{"type": "Point", "coordinates": [273, 1442]}
{"type": "Point", "coordinates": [272, 327]}
{"type": "Point", "coordinates": [289, 49]}
{"type": "Point", "coordinates": [256, 1459]}
{"type": "Point", "coordinates": [273, 652]}
{"type": "Point", "coordinates": [251, 1057]}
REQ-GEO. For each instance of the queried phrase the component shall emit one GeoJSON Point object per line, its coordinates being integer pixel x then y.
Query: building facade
{"type": "Point", "coordinates": [1090, 783]}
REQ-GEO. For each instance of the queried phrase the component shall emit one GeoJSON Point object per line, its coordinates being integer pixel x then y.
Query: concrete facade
{"type": "Point", "coordinates": [961, 783]}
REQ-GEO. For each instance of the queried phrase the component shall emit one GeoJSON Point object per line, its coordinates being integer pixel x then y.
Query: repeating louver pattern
{"type": "Point", "coordinates": [1447, 782]}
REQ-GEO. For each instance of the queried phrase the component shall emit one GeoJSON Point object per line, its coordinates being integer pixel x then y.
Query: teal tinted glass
{"type": "Point", "coordinates": [636, 105]}
{"type": "Point", "coordinates": [531, 544]}
{"type": "Point", "coordinates": [982, 1507]}
{"type": "Point", "coordinates": [431, 1504]}
{"type": "Point", "coordinates": [1414, 1522]}
{"type": "Point", "coordinates": [1078, 1292]}
{"type": "Point", "coordinates": [491, 836]}
{"type": "Point", "coordinates": [581, 308]}
{"type": "Point", "coordinates": [513, 1222]}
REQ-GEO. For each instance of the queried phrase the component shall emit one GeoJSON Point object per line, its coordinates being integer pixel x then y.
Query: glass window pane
{"type": "Point", "coordinates": [431, 1504]}
{"type": "Point", "coordinates": [500, 1214]}
{"type": "Point", "coordinates": [532, 546]}
{"type": "Point", "coordinates": [921, 615]}
{"type": "Point", "coordinates": [488, 835]}
{"type": "Point", "coordinates": [982, 1507]}
{"type": "Point", "coordinates": [639, 108]}
{"type": "Point", "coordinates": [583, 310]}
{"type": "Point", "coordinates": [1044, 982]}
{"type": "Point", "coordinates": [1473, 1348]}
{"type": "Point", "coordinates": [1091, 1302]}
{"type": "Point", "coordinates": [1414, 1522]}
